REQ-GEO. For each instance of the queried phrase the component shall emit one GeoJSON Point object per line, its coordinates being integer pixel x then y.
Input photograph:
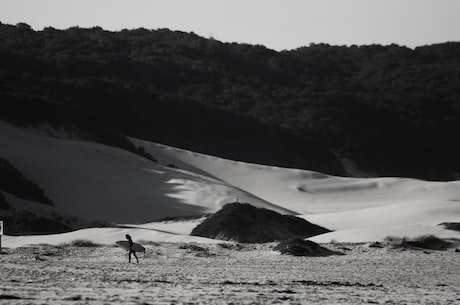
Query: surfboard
{"type": "Point", "coordinates": [125, 245]}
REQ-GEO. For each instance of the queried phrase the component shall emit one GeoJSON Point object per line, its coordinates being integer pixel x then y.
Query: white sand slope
{"type": "Point", "coordinates": [104, 236]}
{"type": "Point", "coordinates": [427, 213]}
{"type": "Point", "coordinates": [179, 227]}
{"type": "Point", "coordinates": [306, 191]}
{"type": "Point", "coordinates": [99, 182]}
{"type": "Point", "coordinates": [402, 220]}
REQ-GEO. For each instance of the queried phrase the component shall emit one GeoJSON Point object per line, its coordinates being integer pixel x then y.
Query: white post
{"type": "Point", "coordinates": [1, 233]}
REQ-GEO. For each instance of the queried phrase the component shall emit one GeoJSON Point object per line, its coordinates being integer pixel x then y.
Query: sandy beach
{"type": "Point", "coordinates": [176, 273]}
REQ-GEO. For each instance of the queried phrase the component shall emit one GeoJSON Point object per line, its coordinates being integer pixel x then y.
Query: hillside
{"type": "Point", "coordinates": [366, 111]}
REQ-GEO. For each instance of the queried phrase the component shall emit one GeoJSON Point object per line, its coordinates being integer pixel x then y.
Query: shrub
{"type": "Point", "coordinates": [451, 225]}
{"type": "Point", "coordinates": [300, 247]}
{"type": "Point", "coordinates": [149, 243]}
{"type": "Point", "coordinates": [424, 241]}
{"type": "Point", "coordinates": [192, 247]}
{"type": "Point", "coordinates": [81, 243]}
{"type": "Point", "coordinates": [430, 242]}
{"type": "Point", "coordinates": [396, 242]}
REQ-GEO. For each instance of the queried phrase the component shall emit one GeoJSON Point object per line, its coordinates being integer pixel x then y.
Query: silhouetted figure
{"type": "Point", "coordinates": [128, 237]}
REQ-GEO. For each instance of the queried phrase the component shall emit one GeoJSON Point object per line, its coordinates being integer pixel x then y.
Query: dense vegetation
{"type": "Point", "coordinates": [19, 222]}
{"type": "Point", "coordinates": [392, 110]}
{"type": "Point", "coordinates": [13, 181]}
{"type": "Point", "coordinates": [3, 203]}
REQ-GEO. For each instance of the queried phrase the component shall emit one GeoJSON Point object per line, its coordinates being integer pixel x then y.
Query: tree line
{"type": "Point", "coordinates": [392, 110]}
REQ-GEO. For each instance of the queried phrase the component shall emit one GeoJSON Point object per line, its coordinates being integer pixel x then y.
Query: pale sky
{"type": "Point", "coordinates": [277, 24]}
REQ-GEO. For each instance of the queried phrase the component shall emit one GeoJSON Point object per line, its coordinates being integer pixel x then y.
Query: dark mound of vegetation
{"type": "Point", "coordinates": [245, 223]}
{"type": "Point", "coordinates": [451, 225]}
{"type": "Point", "coordinates": [300, 247]}
{"type": "Point", "coordinates": [192, 247]}
{"type": "Point", "coordinates": [392, 110]}
{"type": "Point", "coordinates": [376, 244]}
{"type": "Point", "coordinates": [430, 242]}
{"type": "Point", "coordinates": [197, 250]}
{"type": "Point", "coordinates": [18, 222]}
{"type": "Point", "coordinates": [13, 181]}
{"type": "Point", "coordinates": [3, 203]}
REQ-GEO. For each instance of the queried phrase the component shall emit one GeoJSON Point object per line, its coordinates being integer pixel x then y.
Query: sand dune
{"type": "Point", "coordinates": [307, 191]}
{"type": "Point", "coordinates": [94, 181]}
{"type": "Point", "coordinates": [429, 213]}
{"type": "Point", "coordinates": [358, 209]}
{"type": "Point", "coordinates": [100, 182]}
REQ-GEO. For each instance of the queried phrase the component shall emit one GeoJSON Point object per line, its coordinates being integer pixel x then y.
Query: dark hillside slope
{"type": "Point", "coordinates": [13, 181]}
{"type": "Point", "coordinates": [394, 111]}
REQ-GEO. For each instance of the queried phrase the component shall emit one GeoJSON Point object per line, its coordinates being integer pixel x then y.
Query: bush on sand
{"type": "Point", "coordinates": [430, 242]}
{"type": "Point", "coordinates": [300, 247]}
{"type": "Point", "coordinates": [81, 243]}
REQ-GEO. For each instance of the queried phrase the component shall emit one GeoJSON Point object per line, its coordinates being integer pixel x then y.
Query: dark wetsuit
{"type": "Point", "coordinates": [130, 249]}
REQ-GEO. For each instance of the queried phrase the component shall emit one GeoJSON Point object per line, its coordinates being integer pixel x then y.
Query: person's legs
{"type": "Point", "coordinates": [136, 257]}
{"type": "Point", "coordinates": [129, 256]}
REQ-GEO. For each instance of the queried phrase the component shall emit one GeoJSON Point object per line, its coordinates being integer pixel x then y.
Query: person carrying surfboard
{"type": "Point", "coordinates": [128, 237]}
